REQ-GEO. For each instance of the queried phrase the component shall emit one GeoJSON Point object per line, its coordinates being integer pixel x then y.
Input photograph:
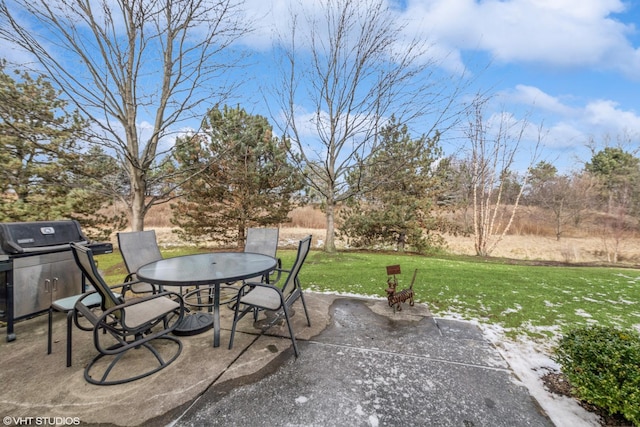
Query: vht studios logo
{"type": "Point", "coordinates": [41, 421]}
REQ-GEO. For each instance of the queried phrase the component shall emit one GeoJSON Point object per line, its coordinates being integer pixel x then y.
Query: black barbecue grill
{"type": "Point", "coordinates": [37, 266]}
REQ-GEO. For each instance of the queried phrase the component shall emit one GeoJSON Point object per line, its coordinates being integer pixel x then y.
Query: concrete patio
{"type": "Point", "coordinates": [360, 364]}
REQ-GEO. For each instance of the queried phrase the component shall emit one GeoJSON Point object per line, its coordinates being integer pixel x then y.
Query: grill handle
{"type": "Point", "coordinates": [47, 286]}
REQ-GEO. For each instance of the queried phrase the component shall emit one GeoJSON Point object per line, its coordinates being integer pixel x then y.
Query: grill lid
{"type": "Point", "coordinates": [23, 237]}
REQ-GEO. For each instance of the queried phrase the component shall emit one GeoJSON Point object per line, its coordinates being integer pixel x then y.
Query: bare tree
{"type": "Point", "coordinates": [137, 69]}
{"type": "Point", "coordinates": [344, 73]}
{"type": "Point", "coordinates": [618, 225]}
{"type": "Point", "coordinates": [566, 197]}
{"type": "Point", "coordinates": [493, 153]}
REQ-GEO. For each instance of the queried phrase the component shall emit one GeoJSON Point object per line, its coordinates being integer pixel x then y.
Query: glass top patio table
{"type": "Point", "coordinates": [207, 269]}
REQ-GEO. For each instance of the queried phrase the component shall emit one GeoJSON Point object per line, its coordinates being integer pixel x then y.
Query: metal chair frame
{"type": "Point", "coordinates": [265, 296]}
{"type": "Point", "coordinates": [134, 324]}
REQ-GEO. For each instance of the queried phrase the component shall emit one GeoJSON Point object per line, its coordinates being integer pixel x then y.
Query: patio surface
{"type": "Point", "coordinates": [360, 365]}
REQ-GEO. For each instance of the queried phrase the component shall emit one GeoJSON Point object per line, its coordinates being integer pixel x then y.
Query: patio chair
{"type": "Point", "coordinates": [137, 249]}
{"type": "Point", "coordinates": [122, 325]}
{"type": "Point", "coordinates": [260, 241]}
{"type": "Point", "coordinates": [264, 241]}
{"type": "Point", "coordinates": [267, 296]}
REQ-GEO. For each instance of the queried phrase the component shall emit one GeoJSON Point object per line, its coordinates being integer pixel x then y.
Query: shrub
{"type": "Point", "coordinates": [602, 365]}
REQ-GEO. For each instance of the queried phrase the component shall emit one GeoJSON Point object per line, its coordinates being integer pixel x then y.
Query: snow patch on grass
{"type": "Point", "coordinates": [530, 361]}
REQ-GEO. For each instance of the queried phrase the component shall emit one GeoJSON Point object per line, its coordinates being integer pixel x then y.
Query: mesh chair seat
{"type": "Point", "coordinates": [145, 312]}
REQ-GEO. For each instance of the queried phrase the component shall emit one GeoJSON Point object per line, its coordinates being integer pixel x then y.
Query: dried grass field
{"type": "Point", "coordinates": [582, 248]}
{"type": "Point", "coordinates": [568, 249]}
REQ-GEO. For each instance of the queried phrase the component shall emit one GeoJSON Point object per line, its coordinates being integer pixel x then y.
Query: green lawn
{"type": "Point", "coordinates": [539, 301]}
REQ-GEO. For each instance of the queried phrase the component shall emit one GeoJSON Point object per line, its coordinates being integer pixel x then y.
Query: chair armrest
{"type": "Point", "coordinates": [118, 295]}
{"type": "Point", "coordinates": [250, 285]}
{"type": "Point", "coordinates": [84, 306]}
{"type": "Point", "coordinates": [263, 284]}
{"type": "Point", "coordinates": [129, 281]}
{"type": "Point", "coordinates": [89, 294]}
{"type": "Point", "coordinates": [85, 296]}
{"type": "Point", "coordinates": [277, 271]}
{"type": "Point", "coordinates": [125, 284]}
{"type": "Point", "coordinates": [172, 295]}
{"type": "Point", "coordinates": [134, 301]}
{"type": "Point", "coordinates": [142, 331]}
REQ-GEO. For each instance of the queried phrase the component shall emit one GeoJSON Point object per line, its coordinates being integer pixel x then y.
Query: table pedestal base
{"type": "Point", "coordinates": [194, 324]}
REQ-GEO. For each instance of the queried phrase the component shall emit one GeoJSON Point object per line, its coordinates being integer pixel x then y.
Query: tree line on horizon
{"type": "Point", "coordinates": [236, 174]}
{"type": "Point", "coordinates": [72, 140]}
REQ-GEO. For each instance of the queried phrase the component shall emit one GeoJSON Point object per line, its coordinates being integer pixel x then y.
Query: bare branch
{"type": "Point", "coordinates": [343, 75]}
{"type": "Point", "coordinates": [493, 154]}
{"type": "Point", "coordinates": [125, 62]}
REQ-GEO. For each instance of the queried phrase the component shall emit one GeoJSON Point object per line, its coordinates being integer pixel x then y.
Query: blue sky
{"type": "Point", "coordinates": [571, 65]}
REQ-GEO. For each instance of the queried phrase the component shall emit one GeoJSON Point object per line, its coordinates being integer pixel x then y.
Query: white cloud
{"type": "Point", "coordinates": [558, 33]}
{"type": "Point", "coordinates": [269, 18]}
{"type": "Point", "coordinates": [571, 125]}
{"type": "Point", "coordinates": [564, 135]}
{"type": "Point", "coordinates": [535, 97]}
{"type": "Point", "coordinates": [565, 33]}
{"type": "Point", "coordinates": [573, 34]}
{"type": "Point", "coordinates": [607, 114]}
{"type": "Point", "coordinates": [273, 18]}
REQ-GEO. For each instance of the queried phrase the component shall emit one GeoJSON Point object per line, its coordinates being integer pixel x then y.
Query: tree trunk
{"type": "Point", "coordinates": [330, 243]}
{"type": "Point", "coordinates": [138, 191]}
{"type": "Point", "coordinates": [241, 235]}
{"type": "Point", "coordinates": [401, 242]}
{"type": "Point", "coordinates": [137, 213]}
